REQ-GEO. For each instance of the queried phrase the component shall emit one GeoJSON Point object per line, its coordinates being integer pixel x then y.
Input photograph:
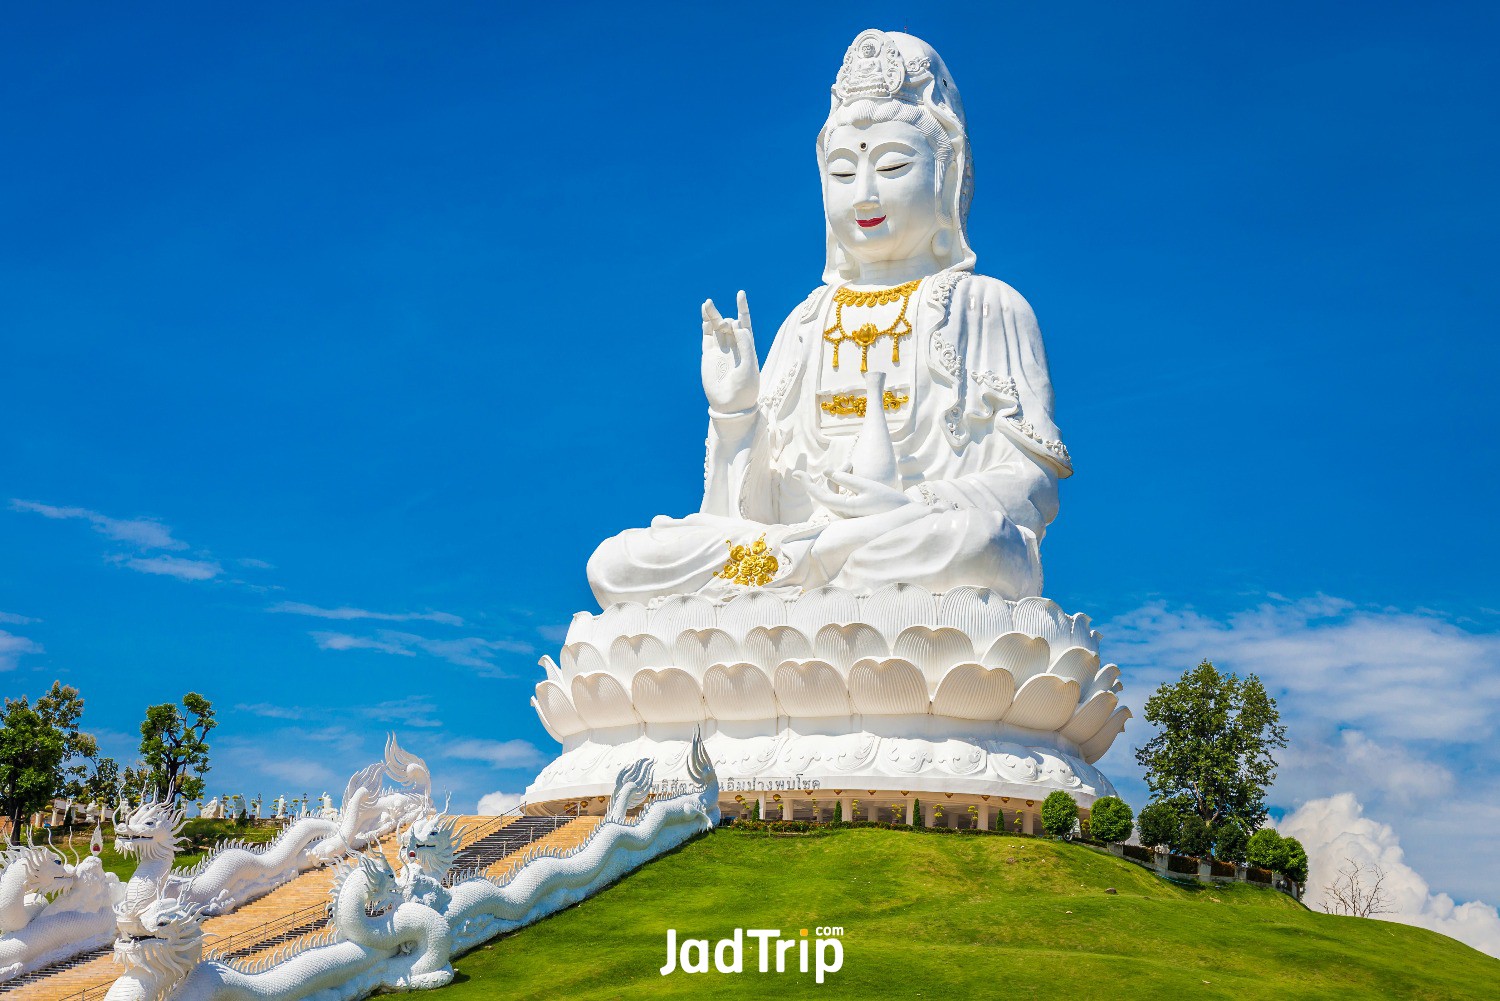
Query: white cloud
{"type": "Point", "coordinates": [13, 647]}
{"type": "Point", "coordinates": [272, 711]}
{"type": "Point", "coordinates": [174, 566]}
{"type": "Point", "coordinates": [1335, 829]}
{"type": "Point", "coordinates": [145, 533]}
{"type": "Point", "coordinates": [495, 803]}
{"type": "Point", "coordinates": [347, 613]}
{"type": "Point", "coordinates": [11, 619]}
{"type": "Point", "coordinates": [414, 711]}
{"type": "Point", "coordinates": [497, 753]}
{"type": "Point", "coordinates": [254, 564]}
{"type": "Point", "coordinates": [343, 641]}
{"type": "Point", "coordinates": [1378, 670]}
{"type": "Point", "coordinates": [468, 651]}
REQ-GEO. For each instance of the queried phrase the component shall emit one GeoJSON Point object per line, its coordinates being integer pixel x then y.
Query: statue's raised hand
{"type": "Point", "coordinates": [731, 373]}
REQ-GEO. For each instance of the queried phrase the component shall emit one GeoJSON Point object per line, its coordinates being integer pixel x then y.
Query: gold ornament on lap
{"type": "Point", "coordinates": [752, 565]}
{"type": "Point", "coordinates": [867, 334]}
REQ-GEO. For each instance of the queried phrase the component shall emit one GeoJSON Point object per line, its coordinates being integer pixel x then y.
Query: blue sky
{"type": "Point", "coordinates": [334, 339]}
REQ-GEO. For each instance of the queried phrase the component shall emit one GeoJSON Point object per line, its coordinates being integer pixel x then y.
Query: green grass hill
{"type": "Point", "coordinates": [944, 916]}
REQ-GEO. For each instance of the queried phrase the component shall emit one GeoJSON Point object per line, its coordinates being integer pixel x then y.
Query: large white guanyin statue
{"type": "Point", "coordinates": [874, 498]}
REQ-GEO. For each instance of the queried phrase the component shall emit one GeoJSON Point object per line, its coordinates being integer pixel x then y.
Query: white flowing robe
{"type": "Point", "coordinates": [979, 457]}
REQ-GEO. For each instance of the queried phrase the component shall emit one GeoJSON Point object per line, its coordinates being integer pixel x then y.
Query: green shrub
{"type": "Point", "coordinates": [1193, 837]}
{"type": "Point", "coordinates": [916, 814]}
{"type": "Point", "coordinates": [1264, 850]}
{"type": "Point", "coordinates": [1111, 819]}
{"type": "Point", "coordinates": [1230, 840]}
{"type": "Point", "coordinates": [838, 811]}
{"type": "Point", "coordinates": [1158, 823]}
{"type": "Point", "coordinates": [755, 810]}
{"type": "Point", "coordinates": [1293, 860]}
{"type": "Point", "coordinates": [1059, 813]}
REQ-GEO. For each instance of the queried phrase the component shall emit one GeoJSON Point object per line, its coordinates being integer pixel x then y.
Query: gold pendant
{"type": "Point", "coordinates": [856, 406]}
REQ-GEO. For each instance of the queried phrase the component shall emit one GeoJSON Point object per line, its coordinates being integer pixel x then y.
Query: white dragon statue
{"type": "Point", "coordinates": [52, 910]}
{"type": "Point", "coordinates": [236, 872]}
{"type": "Point", "coordinates": [390, 933]}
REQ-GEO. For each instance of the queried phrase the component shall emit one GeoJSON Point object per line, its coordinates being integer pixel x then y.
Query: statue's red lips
{"type": "Point", "coordinates": [870, 223]}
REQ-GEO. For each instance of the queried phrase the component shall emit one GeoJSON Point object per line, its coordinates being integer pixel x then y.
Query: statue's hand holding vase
{"type": "Point", "coordinates": [731, 373]}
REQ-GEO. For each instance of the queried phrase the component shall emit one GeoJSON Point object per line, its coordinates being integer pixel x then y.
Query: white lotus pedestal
{"type": "Point", "coordinates": [962, 700]}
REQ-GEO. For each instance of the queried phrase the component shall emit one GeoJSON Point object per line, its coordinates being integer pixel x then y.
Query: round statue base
{"type": "Point", "coordinates": [965, 700]}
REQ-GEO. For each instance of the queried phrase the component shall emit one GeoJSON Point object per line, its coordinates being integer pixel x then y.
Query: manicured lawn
{"type": "Point", "coordinates": [937, 916]}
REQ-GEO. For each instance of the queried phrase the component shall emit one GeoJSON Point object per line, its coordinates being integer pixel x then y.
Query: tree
{"type": "Point", "coordinates": [32, 752]}
{"type": "Point", "coordinates": [1212, 754]}
{"type": "Point", "coordinates": [1111, 819]}
{"type": "Point", "coordinates": [1230, 841]}
{"type": "Point", "coordinates": [1293, 860]}
{"type": "Point", "coordinates": [1264, 850]}
{"type": "Point", "coordinates": [916, 813]}
{"type": "Point", "coordinates": [1192, 837]}
{"type": "Point", "coordinates": [1358, 891]}
{"type": "Point", "coordinates": [103, 783]}
{"type": "Point", "coordinates": [61, 708]}
{"type": "Point", "coordinates": [838, 811]}
{"type": "Point", "coordinates": [174, 746]}
{"type": "Point", "coordinates": [1159, 823]}
{"type": "Point", "coordinates": [1059, 813]}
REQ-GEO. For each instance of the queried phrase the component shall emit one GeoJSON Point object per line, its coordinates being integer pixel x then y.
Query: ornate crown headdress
{"type": "Point", "coordinates": [873, 68]}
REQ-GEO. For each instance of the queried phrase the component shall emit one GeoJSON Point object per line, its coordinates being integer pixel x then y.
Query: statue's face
{"type": "Point", "coordinates": [880, 191]}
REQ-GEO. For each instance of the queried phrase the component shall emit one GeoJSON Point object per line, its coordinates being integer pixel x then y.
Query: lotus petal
{"type": "Point", "coordinates": [811, 688]}
{"type": "Point", "coordinates": [739, 691]}
{"type": "Point", "coordinates": [1019, 654]}
{"type": "Point", "coordinates": [1093, 749]}
{"type": "Point", "coordinates": [1042, 617]}
{"type": "Point", "coordinates": [556, 710]}
{"type": "Point", "coordinates": [749, 609]}
{"type": "Point", "coordinates": [547, 664]}
{"type": "Point", "coordinates": [669, 696]}
{"type": "Point", "coordinates": [1043, 702]}
{"type": "Point", "coordinates": [893, 607]}
{"type": "Point", "coordinates": [696, 649]}
{"type": "Point", "coordinates": [934, 651]}
{"type": "Point", "coordinates": [887, 687]}
{"type": "Point", "coordinates": [843, 645]}
{"type": "Point", "coordinates": [770, 647]}
{"type": "Point", "coordinates": [581, 629]}
{"type": "Point", "coordinates": [628, 654]}
{"type": "Point", "coordinates": [624, 619]}
{"type": "Point", "coordinates": [1105, 681]}
{"type": "Point", "coordinates": [602, 701]}
{"type": "Point", "coordinates": [977, 612]}
{"type": "Point", "coordinates": [1090, 717]}
{"type": "Point", "coordinates": [1077, 663]}
{"type": "Point", "coordinates": [586, 658]}
{"type": "Point", "coordinates": [679, 613]}
{"type": "Point", "coordinates": [973, 691]}
{"type": "Point", "coordinates": [819, 607]}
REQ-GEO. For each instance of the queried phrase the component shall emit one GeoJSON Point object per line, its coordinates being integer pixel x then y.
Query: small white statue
{"type": "Point", "coordinates": [902, 427]}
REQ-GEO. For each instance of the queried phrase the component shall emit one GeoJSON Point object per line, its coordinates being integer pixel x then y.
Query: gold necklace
{"type": "Point", "coordinates": [866, 335]}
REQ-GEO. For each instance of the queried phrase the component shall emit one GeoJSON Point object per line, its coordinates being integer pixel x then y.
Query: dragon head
{"type": "Point", "coordinates": [29, 869]}
{"type": "Point", "coordinates": [150, 831]}
{"type": "Point", "coordinates": [169, 946]}
{"type": "Point", "coordinates": [430, 844]}
{"type": "Point", "coordinates": [379, 888]}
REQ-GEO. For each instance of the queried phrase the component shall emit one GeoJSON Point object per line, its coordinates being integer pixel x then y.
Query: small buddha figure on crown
{"type": "Point", "coordinates": [902, 427]}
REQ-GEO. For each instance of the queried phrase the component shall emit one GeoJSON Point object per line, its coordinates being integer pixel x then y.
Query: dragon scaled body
{"type": "Point", "coordinates": [50, 909]}
{"type": "Point", "coordinates": [391, 933]}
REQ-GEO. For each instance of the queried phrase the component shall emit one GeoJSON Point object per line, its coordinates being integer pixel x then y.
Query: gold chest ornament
{"type": "Point", "coordinates": [866, 335]}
